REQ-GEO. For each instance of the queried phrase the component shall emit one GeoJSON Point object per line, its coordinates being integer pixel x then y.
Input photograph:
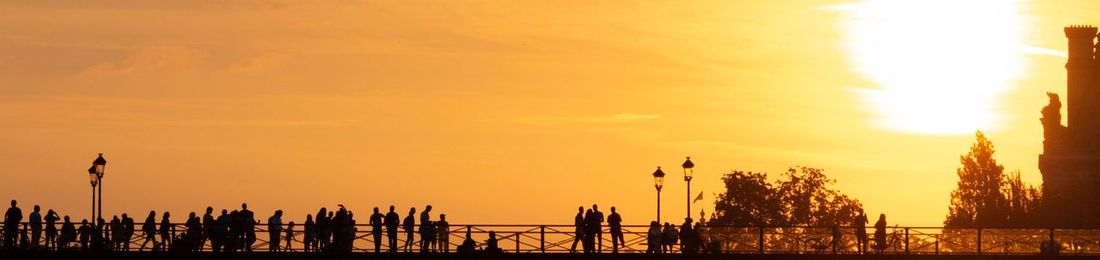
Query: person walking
{"type": "Point", "coordinates": [376, 229]}
{"type": "Point", "coordinates": [149, 230]}
{"type": "Point", "coordinates": [289, 236]}
{"type": "Point", "coordinates": [391, 222]}
{"type": "Point", "coordinates": [165, 232]}
{"type": "Point", "coordinates": [614, 222]}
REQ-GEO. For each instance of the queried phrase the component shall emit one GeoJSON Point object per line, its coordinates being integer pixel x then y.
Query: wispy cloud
{"type": "Point", "coordinates": [151, 59]}
{"type": "Point", "coordinates": [611, 119]}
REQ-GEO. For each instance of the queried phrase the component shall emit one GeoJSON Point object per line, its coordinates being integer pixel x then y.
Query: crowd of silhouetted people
{"type": "Point", "coordinates": [335, 231]}
{"type": "Point", "coordinates": [230, 231]}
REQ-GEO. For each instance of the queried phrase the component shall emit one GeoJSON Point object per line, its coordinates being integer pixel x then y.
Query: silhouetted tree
{"type": "Point", "coordinates": [802, 196]}
{"type": "Point", "coordinates": [985, 196]}
{"type": "Point", "coordinates": [748, 200]}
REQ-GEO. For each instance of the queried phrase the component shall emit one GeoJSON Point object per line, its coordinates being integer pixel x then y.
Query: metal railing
{"type": "Point", "coordinates": [724, 239]}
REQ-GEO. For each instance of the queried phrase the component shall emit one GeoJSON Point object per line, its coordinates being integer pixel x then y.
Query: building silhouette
{"type": "Point", "coordinates": [1070, 162]}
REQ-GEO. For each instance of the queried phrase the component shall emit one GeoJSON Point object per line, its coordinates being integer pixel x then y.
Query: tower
{"type": "Point", "coordinates": [1070, 163]}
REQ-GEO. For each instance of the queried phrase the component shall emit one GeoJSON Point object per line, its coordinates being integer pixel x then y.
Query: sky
{"type": "Point", "coordinates": [514, 111]}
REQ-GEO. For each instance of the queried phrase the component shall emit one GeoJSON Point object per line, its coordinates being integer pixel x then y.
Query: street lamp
{"type": "Point", "coordinates": [688, 171]}
{"type": "Point", "coordinates": [94, 179]}
{"type": "Point", "coordinates": [658, 182]}
{"type": "Point", "coordinates": [98, 165]}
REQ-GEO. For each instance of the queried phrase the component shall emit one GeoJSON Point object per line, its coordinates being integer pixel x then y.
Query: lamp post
{"type": "Point", "coordinates": [94, 179]}
{"type": "Point", "coordinates": [98, 166]}
{"type": "Point", "coordinates": [658, 182]}
{"type": "Point", "coordinates": [688, 171]}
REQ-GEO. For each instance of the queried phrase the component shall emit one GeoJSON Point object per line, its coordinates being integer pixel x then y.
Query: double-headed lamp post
{"type": "Point", "coordinates": [688, 171]}
{"type": "Point", "coordinates": [97, 166]}
{"type": "Point", "coordinates": [658, 182]}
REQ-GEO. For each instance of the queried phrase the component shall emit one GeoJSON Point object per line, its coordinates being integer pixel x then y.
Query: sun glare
{"type": "Point", "coordinates": [938, 66]}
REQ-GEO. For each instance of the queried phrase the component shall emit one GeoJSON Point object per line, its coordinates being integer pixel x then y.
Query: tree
{"type": "Point", "coordinates": [800, 197]}
{"type": "Point", "coordinates": [749, 200]}
{"type": "Point", "coordinates": [985, 196]}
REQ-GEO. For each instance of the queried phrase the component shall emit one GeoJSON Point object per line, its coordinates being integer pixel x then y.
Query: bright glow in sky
{"type": "Point", "coordinates": [939, 66]}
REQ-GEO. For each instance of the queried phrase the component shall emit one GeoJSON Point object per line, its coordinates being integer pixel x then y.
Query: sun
{"type": "Point", "coordinates": [938, 66]}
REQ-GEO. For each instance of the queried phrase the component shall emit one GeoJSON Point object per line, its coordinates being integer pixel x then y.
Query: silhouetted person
{"type": "Point", "coordinates": [391, 222]}
{"type": "Point", "coordinates": [491, 246]}
{"type": "Point", "coordinates": [880, 233]}
{"type": "Point", "coordinates": [51, 219]}
{"type": "Point", "coordinates": [11, 225]}
{"type": "Point", "coordinates": [310, 229]}
{"type": "Point", "coordinates": [86, 231]}
{"type": "Point", "coordinates": [249, 228]}
{"type": "Point", "coordinates": [578, 229]}
{"type": "Point", "coordinates": [128, 229]}
{"type": "Point", "coordinates": [597, 231]}
{"type": "Point", "coordinates": [209, 223]}
{"type": "Point", "coordinates": [444, 233]}
{"type": "Point", "coordinates": [194, 232]}
{"type": "Point", "coordinates": [221, 232]}
{"type": "Point", "coordinates": [425, 229]}
{"type": "Point", "coordinates": [589, 242]}
{"type": "Point", "coordinates": [614, 222]}
{"type": "Point", "coordinates": [116, 232]}
{"type": "Point", "coordinates": [274, 231]}
{"type": "Point", "coordinates": [860, 225]}
{"type": "Point", "coordinates": [376, 229]}
{"type": "Point", "coordinates": [165, 232]}
{"type": "Point", "coordinates": [653, 238]}
{"type": "Point", "coordinates": [410, 228]}
{"type": "Point", "coordinates": [689, 240]}
{"type": "Point", "coordinates": [468, 245]}
{"type": "Point", "coordinates": [99, 238]}
{"type": "Point", "coordinates": [289, 236]}
{"type": "Point", "coordinates": [321, 226]}
{"type": "Point", "coordinates": [35, 219]}
{"type": "Point", "coordinates": [68, 234]}
{"type": "Point", "coordinates": [671, 237]}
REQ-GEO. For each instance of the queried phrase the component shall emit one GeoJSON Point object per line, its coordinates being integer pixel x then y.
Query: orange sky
{"type": "Point", "coordinates": [511, 111]}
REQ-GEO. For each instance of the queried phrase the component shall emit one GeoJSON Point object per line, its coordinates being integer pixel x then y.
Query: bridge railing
{"type": "Point", "coordinates": [534, 238]}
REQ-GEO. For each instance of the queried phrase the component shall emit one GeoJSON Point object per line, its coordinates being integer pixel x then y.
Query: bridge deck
{"type": "Point", "coordinates": [508, 256]}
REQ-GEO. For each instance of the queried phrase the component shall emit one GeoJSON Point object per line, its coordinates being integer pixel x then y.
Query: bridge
{"type": "Point", "coordinates": [746, 241]}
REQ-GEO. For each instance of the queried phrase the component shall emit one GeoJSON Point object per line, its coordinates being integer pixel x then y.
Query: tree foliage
{"type": "Point", "coordinates": [986, 196]}
{"type": "Point", "coordinates": [801, 196]}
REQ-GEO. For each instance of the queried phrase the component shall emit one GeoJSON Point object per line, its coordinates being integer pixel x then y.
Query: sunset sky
{"type": "Point", "coordinates": [514, 111]}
